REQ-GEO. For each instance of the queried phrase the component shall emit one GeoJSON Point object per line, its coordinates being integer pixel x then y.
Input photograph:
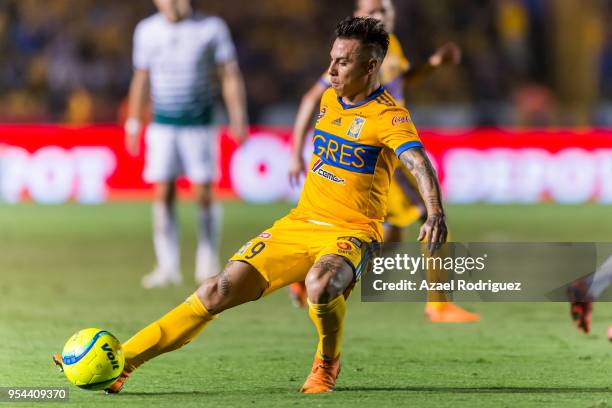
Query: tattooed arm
{"type": "Point", "coordinates": [434, 229]}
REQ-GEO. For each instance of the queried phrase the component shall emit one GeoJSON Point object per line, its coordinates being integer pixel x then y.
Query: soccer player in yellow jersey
{"type": "Point", "coordinates": [404, 205]}
{"type": "Point", "coordinates": [328, 238]}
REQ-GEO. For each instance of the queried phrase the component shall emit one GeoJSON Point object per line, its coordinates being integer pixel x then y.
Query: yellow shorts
{"type": "Point", "coordinates": [402, 208]}
{"type": "Point", "coordinates": [284, 253]}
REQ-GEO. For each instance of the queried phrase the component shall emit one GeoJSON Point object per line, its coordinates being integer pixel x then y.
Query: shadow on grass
{"type": "Point", "coordinates": [169, 393]}
{"type": "Point", "coordinates": [447, 390]}
{"type": "Point", "coordinates": [484, 390]}
{"type": "Point", "coordinates": [196, 393]}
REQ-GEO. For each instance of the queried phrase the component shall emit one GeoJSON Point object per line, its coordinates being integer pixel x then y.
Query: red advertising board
{"type": "Point", "coordinates": [54, 164]}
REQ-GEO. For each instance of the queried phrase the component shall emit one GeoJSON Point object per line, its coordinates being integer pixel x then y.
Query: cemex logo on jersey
{"type": "Point", "coordinates": [318, 169]}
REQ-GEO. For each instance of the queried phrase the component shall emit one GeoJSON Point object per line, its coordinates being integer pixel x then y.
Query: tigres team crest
{"type": "Point", "coordinates": [355, 127]}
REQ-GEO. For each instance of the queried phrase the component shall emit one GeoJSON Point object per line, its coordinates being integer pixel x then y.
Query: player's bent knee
{"type": "Point", "coordinates": [238, 283]}
{"type": "Point", "coordinates": [328, 279]}
{"type": "Point", "coordinates": [210, 295]}
{"type": "Point", "coordinates": [204, 195]}
{"type": "Point", "coordinates": [164, 192]}
{"type": "Point", "coordinates": [205, 201]}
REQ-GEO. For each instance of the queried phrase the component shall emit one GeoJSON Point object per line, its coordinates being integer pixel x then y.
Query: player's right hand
{"type": "Point", "coordinates": [132, 144]}
{"type": "Point", "coordinates": [297, 169]}
{"type": "Point", "coordinates": [132, 136]}
{"type": "Point", "coordinates": [434, 231]}
{"type": "Point", "coordinates": [447, 54]}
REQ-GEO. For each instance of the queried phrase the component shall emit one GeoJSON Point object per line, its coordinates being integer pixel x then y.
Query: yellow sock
{"type": "Point", "coordinates": [328, 319]}
{"type": "Point", "coordinates": [436, 305]}
{"type": "Point", "coordinates": [175, 329]}
{"type": "Point", "coordinates": [437, 298]}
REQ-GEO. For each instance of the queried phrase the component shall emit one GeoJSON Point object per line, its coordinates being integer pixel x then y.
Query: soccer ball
{"type": "Point", "coordinates": [93, 359]}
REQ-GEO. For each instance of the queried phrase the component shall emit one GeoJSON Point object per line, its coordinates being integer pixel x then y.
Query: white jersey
{"type": "Point", "coordinates": [182, 60]}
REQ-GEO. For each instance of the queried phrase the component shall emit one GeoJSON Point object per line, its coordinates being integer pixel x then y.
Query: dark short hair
{"type": "Point", "coordinates": [369, 31]}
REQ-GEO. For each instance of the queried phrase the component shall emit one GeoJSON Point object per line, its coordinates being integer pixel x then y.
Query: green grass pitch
{"type": "Point", "coordinates": [64, 268]}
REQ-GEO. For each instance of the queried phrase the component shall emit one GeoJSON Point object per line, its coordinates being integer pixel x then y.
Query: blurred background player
{"type": "Point", "coordinates": [404, 205]}
{"type": "Point", "coordinates": [583, 292]}
{"type": "Point", "coordinates": [179, 55]}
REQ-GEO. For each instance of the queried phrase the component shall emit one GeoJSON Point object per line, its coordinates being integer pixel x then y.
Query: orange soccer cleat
{"type": "Point", "coordinates": [114, 388]}
{"type": "Point", "coordinates": [323, 376]}
{"type": "Point", "coordinates": [57, 360]}
{"type": "Point", "coordinates": [117, 386]}
{"type": "Point", "coordinates": [448, 312]}
{"type": "Point", "coordinates": [581, 305]}
{"type": "Point", "coordinates": [297, 293]}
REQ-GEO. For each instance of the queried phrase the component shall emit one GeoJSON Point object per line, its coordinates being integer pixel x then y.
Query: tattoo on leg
{"type": "Point", "coordinates": [326, 265]}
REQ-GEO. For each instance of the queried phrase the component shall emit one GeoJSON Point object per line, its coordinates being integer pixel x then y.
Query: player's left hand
{"type": "Point", "coordinates": [297, 170]}
{"type": "Point", "coordinates": [434, 231]}
{"type": "Point", "coordinates": [449, 53]}
{"type": "Point", "coordinates": [239, 132]}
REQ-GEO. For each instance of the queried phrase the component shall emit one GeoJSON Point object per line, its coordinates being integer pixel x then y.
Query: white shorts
{"type": "Point", "coordinates": [174, 151]}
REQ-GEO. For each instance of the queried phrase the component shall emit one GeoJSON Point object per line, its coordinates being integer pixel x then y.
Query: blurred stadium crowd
{"type": "Point", "coordinates": [526, 62]}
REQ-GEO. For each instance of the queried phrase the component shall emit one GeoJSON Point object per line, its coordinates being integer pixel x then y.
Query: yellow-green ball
{"type": "Point", "coordinates": [93, 359]}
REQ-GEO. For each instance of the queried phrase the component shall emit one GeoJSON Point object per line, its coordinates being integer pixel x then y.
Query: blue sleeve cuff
{"type": "Point", "coordinates": [323, 82]}
{"type": "Point", "coordinates": [408, 145]}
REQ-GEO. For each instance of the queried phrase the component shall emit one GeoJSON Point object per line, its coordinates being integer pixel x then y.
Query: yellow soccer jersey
{"type": "Point", "coordinates": [355, 154]}
{"type": "Point", "coordinates": [391, 70]}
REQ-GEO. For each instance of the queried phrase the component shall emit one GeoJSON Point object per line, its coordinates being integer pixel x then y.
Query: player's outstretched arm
{"type": "Point", "coordinates": [307, 107]}
{"type": "Point", "coordinates": [234, 96]}
{"type": "Point", "coordinates": [137, 100]}
{"type": "Point", "coordinates": [448, 54]}
{"type": "Point", "coordinates": [434, 229]}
